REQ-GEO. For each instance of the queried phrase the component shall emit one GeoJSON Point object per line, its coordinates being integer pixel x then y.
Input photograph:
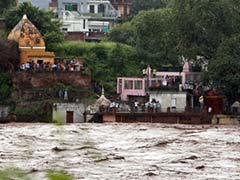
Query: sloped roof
{"type": "Point", "coordinates": [26, 34]}
{"type": "Point", "coordinates": [103, 101]}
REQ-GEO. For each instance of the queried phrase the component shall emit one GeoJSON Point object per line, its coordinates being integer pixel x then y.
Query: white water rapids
{"type": "Point", "coordinates": [123, 151]}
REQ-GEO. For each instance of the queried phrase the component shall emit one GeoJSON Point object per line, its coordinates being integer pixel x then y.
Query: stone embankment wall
{"type": "Point", "coordinates": [49, 79]}
{"type": "Point", "coordinates": [168, 118]}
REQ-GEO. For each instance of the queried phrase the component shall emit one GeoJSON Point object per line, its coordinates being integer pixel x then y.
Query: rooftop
{"type": "Point", "coordinates": [26, 34]}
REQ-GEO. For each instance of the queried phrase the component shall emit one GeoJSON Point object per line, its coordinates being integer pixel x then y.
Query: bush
{"type": "Point", "coordinates": [33, 113]}
{"type": "Point", "coordinates": [5, 86]}
{"type": "Point", "coordinates": [106, 60]}
{"type": "Point", "coordinates": [13, 173]}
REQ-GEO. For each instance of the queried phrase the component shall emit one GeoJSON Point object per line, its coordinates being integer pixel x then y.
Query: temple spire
{"type": "Point", "coordinates": [102, 91]}
{"type": "Point", "coordinates": [24, 16]}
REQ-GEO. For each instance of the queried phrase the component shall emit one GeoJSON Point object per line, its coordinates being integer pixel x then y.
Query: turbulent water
{"type": "Point", "coordinates": [123, 151]}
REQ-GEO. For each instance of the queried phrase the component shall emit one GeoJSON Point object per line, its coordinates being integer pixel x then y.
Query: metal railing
{"type": "Point", "coordinates": [129, 109]}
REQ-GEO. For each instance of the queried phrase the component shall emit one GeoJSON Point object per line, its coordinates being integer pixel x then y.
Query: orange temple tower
{"type": "Point", "coordinates": [30, 42]}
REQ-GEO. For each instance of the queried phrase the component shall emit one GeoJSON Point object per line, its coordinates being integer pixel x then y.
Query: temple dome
{"type": "Point", "coordinates": [26, 34]}
{"type": "Point", "coordinates": [103, 101]}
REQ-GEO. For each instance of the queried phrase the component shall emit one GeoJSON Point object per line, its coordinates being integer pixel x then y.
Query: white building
{"type": "Point", "coordinates": [86, 15]}
{"type": "Point", "coordinates": [68, 112]}
{"type": "Point", "coordinates": [176, 101]}
{"type": "Point", "coordinates": [81, 16]}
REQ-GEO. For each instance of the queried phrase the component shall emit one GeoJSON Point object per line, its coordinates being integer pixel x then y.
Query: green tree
{"type": "Point", "coordinates": [187, 28]}
{"type": "Point", "coordinates": [5, 86]}
{"type": "Point", "coordinates": [152, 33]}
{"type": "Point", "coordinates": [200, 25]}
{"type": "Point", "coordinates": [117, 60]}
{"type": "Point", "coordinates": [105, 60]}
{"type": "Point", "coordinates": [45, 21]}
{"type": "Point", "coordinates": [155, 38]}
{"type": "Point", "coordinates": [5, 5]}
{"type": "Point", "coordinates": [123, 33]}
{"type": "Point", "coordinates": [140, 5]}
{"type": "Point", "coordinates": [9, 55]}
{"type": "Point", "coordinates": [224, 68]}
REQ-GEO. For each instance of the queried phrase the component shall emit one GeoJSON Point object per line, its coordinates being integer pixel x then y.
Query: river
{"type": "Point", "coordinates": [123, 151]}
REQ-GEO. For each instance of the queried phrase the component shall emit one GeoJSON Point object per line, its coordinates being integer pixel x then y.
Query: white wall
{"type": "Point", "coordinates": [166, 99]}
{"type": "Point", "coordinates": [60, 112]}
{"type": "Point", "coordinates": [75, 25]}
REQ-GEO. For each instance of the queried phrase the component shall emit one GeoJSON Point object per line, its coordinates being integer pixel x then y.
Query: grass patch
{"type": "Point", "coordinates": [13, 173]}
{"type": "Point", "coordinates": [59, 175]}
{"type": "Point", "coordinates": [58, 122]}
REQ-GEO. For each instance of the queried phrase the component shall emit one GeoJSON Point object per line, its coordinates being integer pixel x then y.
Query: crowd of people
{"type": "Point", "coordinates": [151, 106]}
{"type": "Point", "coordinates": [135, 106]}
{"type": "Point", "coordinates": [32, 66]}
{"type": "Point", "coordinates": [170, 81]}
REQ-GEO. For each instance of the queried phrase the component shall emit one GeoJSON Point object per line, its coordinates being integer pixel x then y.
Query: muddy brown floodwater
{"type": "Point", "coordinates": [123, 151]}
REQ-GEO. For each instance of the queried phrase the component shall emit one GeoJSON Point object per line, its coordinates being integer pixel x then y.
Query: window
{"type": "Point", "coordinates": [37, 41]}
{"type": "Point", "coordinates": [138, 84]}
{"type": "Point", "coordinates": [128, 84]}
{"type": "Point", "coordinates": [146, 84]}
{"type": "Point", "coordinates": [71, 7]}
{"type": "Point", "coordinates": [68, 7]}
{"type": "Point", "coordinates": [84, 23]}
{"type": "Point", "coordinates": [120, 85]}
{"type": "Point", "coordinates": [75, 7]}
{"type": "Point", "coordinates": [91, 9]}
{"type": "Point", "coordinates": [105, 29]}
{"type": "Point", "coordinates": [101, 9]}
{"type": "Point", "coordinates": [174, 102]}
{"type": "Point", "coordinates": [96, 30]}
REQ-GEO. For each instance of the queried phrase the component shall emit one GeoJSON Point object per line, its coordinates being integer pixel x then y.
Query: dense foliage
{"type": "Point", "coordinates": [140, 5]}
{"type": "Point", "coordinates": [151, 33]}
{"type": "Point", "coordinates": [8, 55]}
{"type": "Point", "coordinates": [198, 30]}
{"type": "Point", "coordinates": [224, 68]}
{"type": "Point", "coordinates": [6, 4]}
{"type": "Point", "coordinates": [106, 61]}
{"type": "Point", "coordinates": [201, 26]}
{"type": "Point", "coordinates": [5, 86]}
{"type": "Point", "coordinates": [43, 20]}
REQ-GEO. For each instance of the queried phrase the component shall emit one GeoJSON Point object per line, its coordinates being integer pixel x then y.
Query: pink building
{"type": "Point", "coordinates": [128, 87]}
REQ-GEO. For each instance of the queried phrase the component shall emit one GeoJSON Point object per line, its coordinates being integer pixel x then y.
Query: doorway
{"type": "Point", "coordinates": [69, 116]}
